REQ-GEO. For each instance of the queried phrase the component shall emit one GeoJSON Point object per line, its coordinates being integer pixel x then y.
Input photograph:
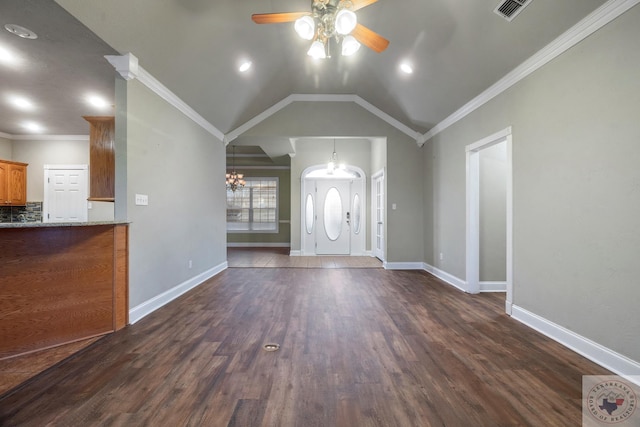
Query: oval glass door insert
{"type": "Point", "coordinates": [356, 214]}
{"type": "Point", "coordinates": [308, 217]}
{"type": "Point", "coordinates": [333, 214]}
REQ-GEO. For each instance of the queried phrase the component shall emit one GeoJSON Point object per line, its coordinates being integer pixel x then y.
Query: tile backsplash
{"type": "Point", "coordinates": [32, 212]}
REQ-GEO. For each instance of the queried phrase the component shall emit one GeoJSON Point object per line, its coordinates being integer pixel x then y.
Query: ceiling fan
{"type": "Point", "coordinates": [329, 19]}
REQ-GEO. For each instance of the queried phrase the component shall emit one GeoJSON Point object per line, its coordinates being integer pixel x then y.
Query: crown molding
{"type": "Point", "coordinates": [589, 25]}
{"type": "Point", "coordinates": [127, 66]}
{"type": "Point", "coordinates": [257, 119]}
{"type": "Point", "coordinates": [387, 118]}
{"type": "Point", "coordinates": [39, 137]}
{"type": "Point", "coordinates": [321, 98]}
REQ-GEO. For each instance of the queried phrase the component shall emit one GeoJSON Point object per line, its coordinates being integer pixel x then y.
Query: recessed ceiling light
{"type": "Point", "coordinates": [406, 68]}
{"type": "Point", "coordinates": [21, 103]}
{"type": "Point", "coordinates": [245, 66]}
{"type": "Point", "coordinates": [7, 57]}
{"type": "Point", "coordinates": [32, 126]}
{"type": "Point", "coordinates": [19, 31]}
{"type": "Point", "coordinates": [97, 101]}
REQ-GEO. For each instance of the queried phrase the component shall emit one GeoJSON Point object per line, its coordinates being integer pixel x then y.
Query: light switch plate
{"type": "Point", "coordinates": [142, 199]}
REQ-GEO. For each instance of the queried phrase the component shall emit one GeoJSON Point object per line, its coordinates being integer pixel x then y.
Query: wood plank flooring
{"type": "Point", "coordinates": [279, 258]}
{"type": "Point", "coordinates": [359, 347]}
{"type": "Point", "coordinates": [16, 370]}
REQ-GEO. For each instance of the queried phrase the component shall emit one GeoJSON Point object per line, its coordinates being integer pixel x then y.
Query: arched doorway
{"type": "Point", "coordinates": [333, 211]}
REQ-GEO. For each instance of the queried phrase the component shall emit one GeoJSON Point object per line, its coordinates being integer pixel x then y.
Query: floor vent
{"type": "Point", "coordinates": [509, 9]}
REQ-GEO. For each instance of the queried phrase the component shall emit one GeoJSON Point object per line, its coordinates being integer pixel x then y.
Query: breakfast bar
{"type": "Point", "coordinates": [60, 283]}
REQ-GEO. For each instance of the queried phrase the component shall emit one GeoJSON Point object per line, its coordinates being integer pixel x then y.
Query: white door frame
{"type": "Point", "coordinates": [358, 240]}
{"type": "Point", "coordinates": [374, 220]}
{"type": "Point", "coordinates": [46, 201]}
{"type": "Point", "coordinates": [473, 212]}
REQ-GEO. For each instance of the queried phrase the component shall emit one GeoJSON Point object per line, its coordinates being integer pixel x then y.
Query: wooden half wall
{"type": "Point", "coordinates": [61, 284]}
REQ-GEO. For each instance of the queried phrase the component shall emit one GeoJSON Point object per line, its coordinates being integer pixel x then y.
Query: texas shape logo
{"type": "Point", "coordinates": [611, 401]}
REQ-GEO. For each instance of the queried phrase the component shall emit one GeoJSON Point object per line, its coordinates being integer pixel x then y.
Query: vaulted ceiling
{"type": "Point", "coordinates": [457, 49]}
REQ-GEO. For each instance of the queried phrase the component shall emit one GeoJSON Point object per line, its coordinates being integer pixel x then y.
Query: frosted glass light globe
{"type": "Point", "coordinates": [346, 21]}
{"type": "Point", "coordinates": [305, 27]}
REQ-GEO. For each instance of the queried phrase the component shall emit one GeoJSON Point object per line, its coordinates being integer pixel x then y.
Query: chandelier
{"type": "Point", "coordinates": [329, 19]}
{"type": "Point", "coordinates": [333, 161]}
{"type": "Point", "coordinates": [234, 179]}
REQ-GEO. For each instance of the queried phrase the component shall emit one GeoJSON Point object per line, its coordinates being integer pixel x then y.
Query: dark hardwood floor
{"type": "Point", "coordinates": [359, 347]}
{"type": "Point", "coordinates": [16, 370]}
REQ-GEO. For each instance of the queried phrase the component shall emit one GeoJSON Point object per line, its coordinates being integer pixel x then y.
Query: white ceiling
{"type": "Point", "coordinates": [458, 48]}
{"type": "Point", "coordinates": [56, 71]}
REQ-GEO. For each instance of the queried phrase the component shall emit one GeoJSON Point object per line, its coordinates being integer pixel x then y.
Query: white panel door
{"type": "Point", "coordinates": [333, 231]}
{"type": "Point", "coordinates": [65, 195]}
{"type": "Point", "coordinates": [378, 221]}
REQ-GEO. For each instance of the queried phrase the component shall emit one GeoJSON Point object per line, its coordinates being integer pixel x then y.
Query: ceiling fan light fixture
{"type": "Point", "coordinates": [350, 45]}
{"type": "Point", "coordinates": [346, 21]}
{"type": "Point", "coordinates": [317, 50]}
{"type": "Point", "coordinates": [305, 27]}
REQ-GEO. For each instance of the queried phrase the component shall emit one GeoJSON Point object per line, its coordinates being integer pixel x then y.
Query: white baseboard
{"type": "Point", "coordinates": [295, 253]}
{"type": "Point", "coordinates": [508, 307]}
{"type": "Point", "coordinates": [149, 306]}
{"type": "Point", "coordinates": [493, 286]}
{"type": "Point", "coordinates": [402, 265]}
{"type": "Point", "coordinates": [257, 245]}
{"type": "Point", "coordinates": [603, 356]}
{"type": "Point", "coordinates": [446, 277]}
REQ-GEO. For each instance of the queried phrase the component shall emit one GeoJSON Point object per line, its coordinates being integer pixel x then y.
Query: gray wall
{"type": "Point", "coordinates": [403, 162]}
{"type": "Point", "coordinates": [6, 152]}
{"type": "Point", "coordinates": [493, 213]}
{"type": "Point", "coordinates": [181, 168]}
{"type": "Point", "coordinates": [315, 151]}
{"type": "Point", "coordinates": [378, 154]}
{"type": "Point", "coordinates": [40, 153]}
{"type": "Point", "coordinates": [53, 152]}
{"type": "Point", "coordinates": [575, 186]}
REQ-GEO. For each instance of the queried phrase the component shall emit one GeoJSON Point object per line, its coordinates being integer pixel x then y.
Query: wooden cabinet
{"type": "Point", "coordinates": [13, 183]}
{"type": "Point", "coordinates": [101, 158]}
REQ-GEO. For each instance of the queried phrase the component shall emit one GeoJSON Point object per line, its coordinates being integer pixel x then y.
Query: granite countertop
{"type": "Point", "coordinates": [34, 224]}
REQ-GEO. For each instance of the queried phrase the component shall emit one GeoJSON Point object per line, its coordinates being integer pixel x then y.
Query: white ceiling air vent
{"type": "Point", "coordinates": [509, 9]}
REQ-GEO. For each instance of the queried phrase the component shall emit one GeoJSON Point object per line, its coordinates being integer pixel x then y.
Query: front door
{"type": "Point", "coordinates": [333, 233]}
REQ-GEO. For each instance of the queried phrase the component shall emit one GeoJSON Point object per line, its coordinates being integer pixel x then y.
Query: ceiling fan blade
{"type": "Point", "coordinates": [359, 4]}
{"type": "Point", "coordinates": [277, 18]}
{"type": "Point", "coordinates": [369, 38]}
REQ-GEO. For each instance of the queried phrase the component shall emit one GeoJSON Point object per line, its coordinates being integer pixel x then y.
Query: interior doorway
{"type": "Point", "coordinates": [378, 215]}
{"type": "Point", "coordinates": [473, 214]}
{"type": "Point", "coordinates": [333, 211]}
{"type": "Point", "coordinates": [65, 193]}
